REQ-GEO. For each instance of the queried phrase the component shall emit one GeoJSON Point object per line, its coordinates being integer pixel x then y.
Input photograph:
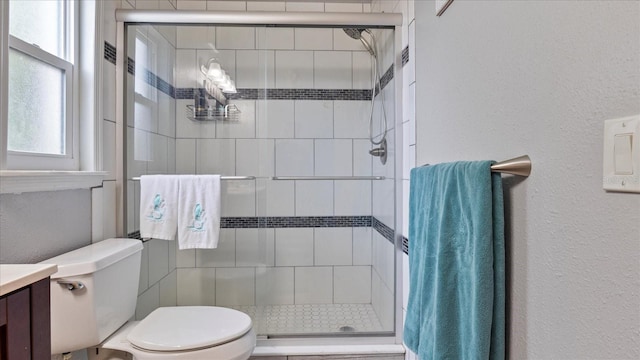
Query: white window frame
{"type": "Point", "coordinates": [84, 153]}
{"type": "Point", "coordinates": [18, 160]}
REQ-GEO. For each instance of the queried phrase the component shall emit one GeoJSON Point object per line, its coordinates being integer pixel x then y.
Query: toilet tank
{"type": "Point", "coordinates": [85, 316]}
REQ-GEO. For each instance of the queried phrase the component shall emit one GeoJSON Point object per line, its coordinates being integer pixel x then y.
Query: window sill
{"type": "Point", "coordinates": [16, 182]}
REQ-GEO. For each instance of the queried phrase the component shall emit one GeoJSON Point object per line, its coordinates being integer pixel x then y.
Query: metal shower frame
{"type": "Point", "coordinates": [282, 19]}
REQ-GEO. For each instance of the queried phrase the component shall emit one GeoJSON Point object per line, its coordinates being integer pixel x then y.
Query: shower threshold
{"type": "Point", "coordinates": [312, 319]}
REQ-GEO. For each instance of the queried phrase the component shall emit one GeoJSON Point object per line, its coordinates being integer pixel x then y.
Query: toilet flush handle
{"type": "Point", "coordinates": [71, 285]}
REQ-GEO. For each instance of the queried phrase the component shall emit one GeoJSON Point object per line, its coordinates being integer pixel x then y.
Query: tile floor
{"type": "Point", "coordinates": [312, 318]}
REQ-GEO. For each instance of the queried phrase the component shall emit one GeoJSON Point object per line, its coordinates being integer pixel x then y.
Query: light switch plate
{"type": "Point", "coordinates": [621, 162]}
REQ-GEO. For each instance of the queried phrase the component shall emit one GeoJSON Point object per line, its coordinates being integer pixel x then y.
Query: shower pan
{"type": "Point", "coordinates": [307, 241]}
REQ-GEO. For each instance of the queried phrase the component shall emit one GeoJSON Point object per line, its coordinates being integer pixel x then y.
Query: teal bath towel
{"type": "Point", "coordinates": [456, 306]}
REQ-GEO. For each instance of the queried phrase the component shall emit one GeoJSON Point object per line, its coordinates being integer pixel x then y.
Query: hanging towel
{"type": "Point", "coordinates": [158, 206]}
{"type": "Point", "coordinates": [456, 307]}
{"type": "Point", "coordinates": [199, 212]}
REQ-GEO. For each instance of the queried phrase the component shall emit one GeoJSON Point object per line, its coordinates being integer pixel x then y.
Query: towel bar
{"type": "Point", "coordinates": [520, 165]}
{"type": "Point", "coordinates": [221, 178]}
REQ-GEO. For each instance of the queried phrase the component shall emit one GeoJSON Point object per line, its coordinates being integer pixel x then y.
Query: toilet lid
{"type": "Point", "coordinates": [188, 328]}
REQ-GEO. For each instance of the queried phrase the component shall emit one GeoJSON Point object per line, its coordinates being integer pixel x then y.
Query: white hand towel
{"type": "Point", "coordinates": [158, 206]}
{"type": "Point", "coordinates": [199, 212]}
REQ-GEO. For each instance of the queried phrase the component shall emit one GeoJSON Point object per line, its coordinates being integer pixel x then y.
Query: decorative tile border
{"type": "Point", "coordinates": [110, 53]}
{"type": "Point", "coordinates": [302, 94]}
{"type": "Point", "coordinates": [261, 94]}
{"type": "Point", "coordinates": [306, 221]}
{"type": "Point", "coordinates": [405, 55]}
{"type": "Point", "coordinates": [295, 221]}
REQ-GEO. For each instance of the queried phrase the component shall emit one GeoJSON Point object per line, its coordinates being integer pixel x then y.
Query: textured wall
{"type": "Point", "coordinates": [500, 79]}
{"type": "Point", "coordinates": [40, 225]}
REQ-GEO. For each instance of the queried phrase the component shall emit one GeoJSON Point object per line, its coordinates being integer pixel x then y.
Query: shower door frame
{"type": "Point", "coordinates": [292, 19]}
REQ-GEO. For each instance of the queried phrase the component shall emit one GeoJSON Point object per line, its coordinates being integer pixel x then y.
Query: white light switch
{"type": "Point", "coordinates": [621, 165]}
{"type": "Point", "coordinates": [622, 154]}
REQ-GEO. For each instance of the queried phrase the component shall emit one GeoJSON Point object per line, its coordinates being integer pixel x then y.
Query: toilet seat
{"type": "Point", "coordinates": [185, 328]}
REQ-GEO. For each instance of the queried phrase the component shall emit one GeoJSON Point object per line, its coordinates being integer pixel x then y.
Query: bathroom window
{"type": "Point", "coordinates": [42, 126]}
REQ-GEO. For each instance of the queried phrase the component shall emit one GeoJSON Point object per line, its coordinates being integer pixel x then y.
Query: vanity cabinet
{"type": "Point", "coordinates": [25, 321]}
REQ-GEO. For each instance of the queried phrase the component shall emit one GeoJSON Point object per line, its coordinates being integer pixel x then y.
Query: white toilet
{"type": "Point", "coordinates": [94, 294]}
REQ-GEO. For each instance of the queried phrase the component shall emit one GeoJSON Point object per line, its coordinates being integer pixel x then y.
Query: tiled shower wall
{"type": "Point", "coordinates": [300, 133]}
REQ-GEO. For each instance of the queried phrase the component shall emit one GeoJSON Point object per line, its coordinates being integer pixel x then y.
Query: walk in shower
{"type": "Point", "coordinates": [307, 240]}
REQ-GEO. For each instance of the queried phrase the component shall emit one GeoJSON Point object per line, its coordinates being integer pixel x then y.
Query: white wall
{"type": "Point", "coordinates": [500, 79]}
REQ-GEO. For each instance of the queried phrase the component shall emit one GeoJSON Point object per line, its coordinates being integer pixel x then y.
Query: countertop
{"type": "Point", "coordinates": [14, 277]}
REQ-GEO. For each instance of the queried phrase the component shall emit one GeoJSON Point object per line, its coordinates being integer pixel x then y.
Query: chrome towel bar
{"type": "Point", "coordinates": [328, 178]}
{"type": "Point", "coordinates": [520, 165]}
{"type": "Point", "coordinates": [221, 178]}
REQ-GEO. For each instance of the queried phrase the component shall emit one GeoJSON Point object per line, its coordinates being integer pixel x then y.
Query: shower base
{"type": "Point", "coordinates": [312, 319]}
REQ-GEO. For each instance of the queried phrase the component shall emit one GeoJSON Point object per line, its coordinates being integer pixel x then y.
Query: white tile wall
{"type": "Point", "coordinates": [352, 284]}
{"type": "Point", "coordinates": [275, 198]}
{"type": "Point", "coordinates": [294, 69]}
{"type": "Point", "coordinates": [294, 247]}
{"type": "Point", "coordinates": [333, 157]}
{"type": "Point", "coordinates": [192, 5]}
{"type": "Point", "coordinates": [362, 246]}
{"type": "Point", "coordinates": [332, 69]}
{"type": "Point", "coordinates": [147, 302]}
{"type": "Point", "coordinates": [313, 39]}
{"type": "Point", "coordinates": [314, 285]}
{"type": "Point", "coordinates": [275, 38]}
{"type": "Point", "coordinates": [256, 68]}
{"type": "Point", "coordinates": [238, 198]}
{"type": "Point", "coordinates": [266, 6]}
{"type": "Point", "coordinates": [351, 119]}
{"type": "Point", "coordinates": [314, 198]}
{"type": "Point", "coordinates": [225, 5]}
{"type": "Point", "coordinates": [294, 157]}
{"type": "Point", "coordinates": [274, 285]}
{"type": "Point", "coordinates": [352, 197]}
{"type": "Point", "coordinates": [235, 286]}
{"type": "Point", "coordinates": [216, 156]}
{"type": "Point", "coordinates": [343, 7]}
{"type": "Point", "coordinates": [255, 247]}
{"type": "Point", "coordinates": [275, 118]}
{"type": "Point", "coordinates": [168, 290]}
{"type": "Point", "coordinates": [361, 70]}
{"type": "Point", "coordinates": [222, 256]}
{"type": "Point", "coordinates": [229, 37]}
{"type": "Point", "coordinates": [196, 37]}
{"type": "Point", "coordinates": [158, 260]}
{"type": "Point", "coordinates": [255, 157]}
{"type": "Point", "coordinates": [333, 246]}
{"type": "Point", "coordinates": [304, 6]}
{"type": "Point", "coordinates": [196, 286]}
{"type": "Point", "coordinates": [313, 119]}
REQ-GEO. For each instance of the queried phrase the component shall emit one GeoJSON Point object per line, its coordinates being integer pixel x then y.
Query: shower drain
{"type": "Point", "coordinates": [347, 329]}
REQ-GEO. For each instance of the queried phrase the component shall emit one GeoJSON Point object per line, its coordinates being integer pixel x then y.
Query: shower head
{"type": "Point", "coordinates": [356, 33]}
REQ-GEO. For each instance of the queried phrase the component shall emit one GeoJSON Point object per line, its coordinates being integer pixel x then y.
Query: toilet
{"type": "Point", "coordinates": [94, 295]}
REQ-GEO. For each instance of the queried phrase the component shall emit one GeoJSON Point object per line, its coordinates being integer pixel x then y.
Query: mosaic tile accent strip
{"type": "Point", "coordinates": [405, 245]}
{"type": "Point", "coordinates": [131, 66]}
{"type": "Point", "coordinates": [311, 318]}
{"type": "Point", "coordinates": [305, 221]}
{"type": "Point", "coordinates": [110, 53]}
{"type": "Point", "coordinates": [383, 229]}
{"type": "Point", "coordinates": [295, 221]}
{"type": "Point", "coordinates": [405, 55]}
{"type": "Point", "coordinates": [386, 78]}
{"type": "Point", "coordinates": [287, 94]}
